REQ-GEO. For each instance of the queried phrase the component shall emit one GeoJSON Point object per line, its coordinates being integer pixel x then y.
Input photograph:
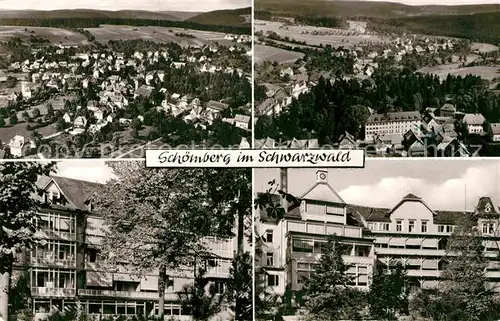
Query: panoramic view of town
{"type": "Point", "coordinates": [398, 240]}
{"type": "Point", "coordinates": [110, 84]}
{"type": "Point", "coordinates": [391, 78]}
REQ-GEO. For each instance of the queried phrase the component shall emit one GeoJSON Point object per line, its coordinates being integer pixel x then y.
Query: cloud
{"type": "Point", "coordinates": [92, 171]}
{"type": "Point", "coordinates": [453, 194]}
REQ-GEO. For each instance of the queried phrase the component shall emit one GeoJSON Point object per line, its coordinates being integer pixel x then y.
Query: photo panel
{"type": "Point", "coordinates": [112, 78]}
{"type": "Point", "coordinates": [399, 79]}
{"type": "Point", "coordinates": [96, 240]}
{"type": "Point", "coordinates": [398, 239]}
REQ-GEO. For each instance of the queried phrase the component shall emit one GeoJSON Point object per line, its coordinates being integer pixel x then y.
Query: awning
{"type": "Point", "coordinates": [101, 279]}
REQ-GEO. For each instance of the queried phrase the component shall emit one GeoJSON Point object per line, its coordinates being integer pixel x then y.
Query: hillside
{"type": "Point", "coordinates": [87, 14]}
{"type": "Point", "coordinates": [483, 27]}
{"type": "Point", "coordinates": [235, 18]}
{"type": "Point", "coordinates": [365, 8]}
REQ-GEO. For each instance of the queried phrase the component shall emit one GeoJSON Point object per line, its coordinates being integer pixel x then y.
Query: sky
{"type": "Point", "coordinates": [149, 5]}
{"type": "Point", "coordinates": [443, 184]}
{"type": "Point", "coordinates": [86, 170]}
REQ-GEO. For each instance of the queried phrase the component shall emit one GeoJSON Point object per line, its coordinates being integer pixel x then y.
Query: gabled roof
{"type": "Point", "coordinates": [485, 206]}
{"type": "Point", "coordinates": [322, 192]}
{"type": "Point", "coordinates": [411, 198]}
{"type": "Point", "coordinates": [76, 192]}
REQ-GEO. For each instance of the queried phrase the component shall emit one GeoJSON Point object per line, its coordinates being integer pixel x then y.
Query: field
{"type": "Point", "coordinates": [268, 53]}
{"type": "Point", "coordinates": [296, 33]}
{"type": "Point", "coordinates": [483, 47]}
{"type": "Point", "coordinates": [7, 133]}
{"type": "Point", "coordinates": [157, 34]}
{"type": "Point", "coordinates": [55, 35]}
{"type": "Point", "coordinates": [484, 72]}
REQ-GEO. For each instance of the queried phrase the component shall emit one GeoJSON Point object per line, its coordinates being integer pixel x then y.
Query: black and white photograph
{"type": "Point", "coordinates": [397, 240]}
{"type": "Point", "coordinates": [84, 241]}
{"type": "Point", "coordinates": [112, 78]}
{"type": "Point", "coordinates": [409, 78]}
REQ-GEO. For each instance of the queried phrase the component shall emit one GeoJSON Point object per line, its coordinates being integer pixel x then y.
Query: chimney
{"type": "Point", "coordinates": [321, 176]}
{"type": "Point", "coordinates": [284, 185]}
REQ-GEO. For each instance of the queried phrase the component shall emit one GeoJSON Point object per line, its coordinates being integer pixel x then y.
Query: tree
{"type": "Point", "coordinates": [201, 298]}
{"type": "Point", "coordinates": [326, 292]}
{"type": "Point", "coordinates": [389, 292]}
{"type": "Point", "coordinates": [17, 209]}
{"type": "Point", "coordinates": [13, 119]}
{"type": "Point", "coordinates": [2, 122]}
{"type": "Point", "coordinates": [50, 110]}
{"type": "Point", "coordinates": [241, 273]}
{"type": "Point", "coordinates": [36, 112]}
{"type": "Point", "coordinates": [157, 219]}
{"type": "Point", "coordinates": [464, 286]}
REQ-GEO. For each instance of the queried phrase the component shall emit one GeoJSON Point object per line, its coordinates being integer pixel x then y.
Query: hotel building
{"type": "Point", "coordinates": [392, 123]}
{"type": "Point", "coordinates": [410, 232]}
{"type": "Point", "coordinates": [65, 266]}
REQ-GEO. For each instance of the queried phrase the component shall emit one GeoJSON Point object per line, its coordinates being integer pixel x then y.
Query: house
{"type": "Point", "coordinates": [267, 143]}
{"type": "Point", "coordinates": [25, 90]}
{"type": "Point", "coordinates": [67, 118]}
{"type": "Point", "coordinates": [16, 146]}
{"type": "Point", "coordinates": [286, 72]}
{"type": "Point", "coordinates": [216, 107]}
{"type": "Point", "coordinates": [347, 141]}
{"type": "Point", "coordinates": [475, 123]}
{"type": "Point", "coordinates": [494, 132]}
{"type": "Point", "coordinates": [80, 122]}
{"type": "Point", "coordinates": [447, 110]}
{"type": "Point", "coordinates": [242, 121]}
{"type": "Point", "coordinates": [244, 144]}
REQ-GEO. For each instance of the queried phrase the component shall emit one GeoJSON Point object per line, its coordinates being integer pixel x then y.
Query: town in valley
{"type": "Point", "coordinates": [392, 79]}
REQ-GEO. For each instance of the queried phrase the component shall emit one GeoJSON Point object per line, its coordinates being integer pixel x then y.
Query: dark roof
{"type": "Point", "coordinates": [77, 192]}
{"type": "Point", "coordinates": [483, 203]}
{"type": "Point", "coordinates": [217, 105]}
{"type": "Point", "coordinates": [370, 213]}
{"type": "Point", "coordinates": [397, 116]}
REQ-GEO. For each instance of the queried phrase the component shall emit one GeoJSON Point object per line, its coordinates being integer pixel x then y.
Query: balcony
{"type": "Point", "coordinates": [425, 273]}
{"type": "Point", "coordinates": [409, 252]}
{"type": "Point", "coordinates": [55, 235]}
{"type": "Point", "coordinates": [127, 294]}
{"type": "Point", "coordinates": [53, 292]}
{"type": "Point", "coordinates": [97, 266]}
{"type": "Point", "coordinates": [324, 229]}
{"type": "Point", "coordinates": [53, 262]}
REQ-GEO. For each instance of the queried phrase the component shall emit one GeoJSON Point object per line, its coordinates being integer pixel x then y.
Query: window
{"type": "Point", "coordinates": [441, 228]}
{"type": "Point", "coordinates": [385, 226]}
{"type": "Point", "coordinates": [219, 287]}
{"type": "Point", "coordinates": [448, 229]}
{"type": "Point", "coordinates": [272, 280]}
{"type": "Point", "coordinates": [399, 226]}
{"type": "Point", "coordinates": [411, 226]}
{"type": "Point", "coordinates": [424, 226]}
{"type": "Point", "coordinates": [302, 246]}
{"type": "Point", "coordinates": [270, 259]}
{"type": "Point", "coordinates": [269, 236]}
{"type": "Point", "coordinates": [488, 228]}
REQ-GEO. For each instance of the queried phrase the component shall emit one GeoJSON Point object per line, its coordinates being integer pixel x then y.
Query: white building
{"type": "Point", "coordinates": [392, 123]}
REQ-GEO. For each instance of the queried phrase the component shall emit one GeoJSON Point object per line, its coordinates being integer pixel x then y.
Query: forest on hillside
{"type": "Point", "coordinates": [66, 23]}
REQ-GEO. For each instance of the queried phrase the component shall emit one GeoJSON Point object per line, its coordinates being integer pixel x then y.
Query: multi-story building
{"type": "Point", "coordinates": [293, 244]}
{"type": "Point", "coordinates": [392, 123]}
{"type": "Point", "coordinates": [410, 232]}
{"type": "Point", "coordinates": [66, 264]}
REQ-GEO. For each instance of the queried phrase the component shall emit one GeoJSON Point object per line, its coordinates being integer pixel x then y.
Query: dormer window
{"type": "Point", "coordinates": [487, 208]}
